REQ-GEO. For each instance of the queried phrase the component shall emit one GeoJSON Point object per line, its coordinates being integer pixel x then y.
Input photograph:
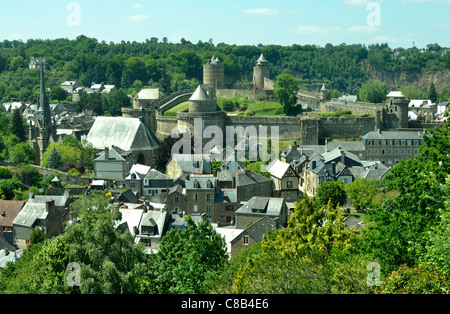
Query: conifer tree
{"type": "Point", "coordinates": [55, 160]}
{"type": "Point", "coordinates": [17, 126]}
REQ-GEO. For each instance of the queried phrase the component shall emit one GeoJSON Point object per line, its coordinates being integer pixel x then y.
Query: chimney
{"type": "Point", "coordinates": [294, 147]}
{"type": "Point", "coordinates": [106, 153]}
{"type": "Point", "coordinates": [134, 230]}
{"type": "Point", "coordinates": [49, 205]}
{"type": "Point", "coordinates": [333, 168]}
{"type": "Point", "coordinates": [342, 157]}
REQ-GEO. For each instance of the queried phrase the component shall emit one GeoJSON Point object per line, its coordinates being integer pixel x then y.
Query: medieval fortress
{"type": "Point", "coordinates": [308, 129]}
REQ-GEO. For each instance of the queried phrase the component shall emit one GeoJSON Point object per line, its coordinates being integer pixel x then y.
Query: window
{"type": "Point", "coordinates": [208, 208]}
{"type": "Point", "coordinates": [229, 208]}
{"type": "Point", "coordinates": [132, 185]}
{"type": "Point", "coordinates": [196, 197]}
{"type": "Point", "coordinates": [176, 199]}
{"type": "Point", "coordinates": [245, 240]}
{"type": "Point", "coordinates": [196, 184]}
{"type": "Point", "coordinates": [208, 197]}
{"type": "Point", "coordinates": [289, 184]}
{"type": "Point", "coordinates": [209, 185]}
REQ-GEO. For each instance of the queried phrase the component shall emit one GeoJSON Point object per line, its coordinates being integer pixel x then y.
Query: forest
{"type": "Point", "coordinates": [177, 66]}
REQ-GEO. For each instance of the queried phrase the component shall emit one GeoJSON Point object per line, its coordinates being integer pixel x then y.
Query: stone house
{"type": "Point", "coordinates": [285, 179]}
{"type": "Point", "coordinates": [62, 202]}
{"type": "Point", "coordinates": [44, 216]}
{"type": "Point", "coordinates": [176, 199]}
{"type": "Point", "coordinates": [182, 164]}
{"type": "Point", "coordinates": [258, 207]}
{"type": "Point", "coordinates": [252, 234]}
{"type": "Point", "coordinates": [113, 163]}
{"type": "Point", "coordinates": [135, 178]}
{"type": "Point", "coordinates": [156, 184]}
{"type": "Point", "coordinates": [390, 147]}
{"type": "Point", "coordinates": [152, 228]}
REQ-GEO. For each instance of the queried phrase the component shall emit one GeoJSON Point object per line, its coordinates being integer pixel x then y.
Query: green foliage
{"type": "Point", "coordinates": [373, 92]}
{"type": "Point", "coordinates": [37, 236]}
{"type": "Point", "coordinates": [53, 159]}
{"type": "Point", "coordinates": [285, 89]}
{"type": "Point", "coordinates": [21, 153]}
{"type": "Point", "coordinates": [333, 192]}
{"type": "Point", "coordinates": [361, 192]}
{"type": "Point", "coordinates": [423, 279]}
{"type": "Point", "coordinates": [186, 258]}
{"type": "Point", "coordinates": [58, 93]}
{"type": "Point", "coordinates": [432, 94]}
{"type": "Point", "coordinates": [18, 125]}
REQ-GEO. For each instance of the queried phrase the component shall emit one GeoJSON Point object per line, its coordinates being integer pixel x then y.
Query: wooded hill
{"type": "Point", "coordinates": [176, 66]}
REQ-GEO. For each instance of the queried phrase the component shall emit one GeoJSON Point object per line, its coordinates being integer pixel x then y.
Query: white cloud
{"type": "Point", "coordinates": [356, 3]}
{"type": "Point", "coordinates": [137, 18]}
{"type": "Point", "coordinates": [262, 11]}
{"type": "Point", "coordinates": [137, 6]}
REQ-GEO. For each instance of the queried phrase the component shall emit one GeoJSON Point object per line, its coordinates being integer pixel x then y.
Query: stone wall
{"type": "Point", "coordinates": [345, 128]}
{"type": "Point", "coordinates": [255, 95]}
{"type": "Point", "coordinates": [165, 125]}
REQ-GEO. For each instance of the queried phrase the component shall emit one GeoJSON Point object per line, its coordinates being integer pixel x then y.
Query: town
{"type": "Point", "coordinates": [245, 186]}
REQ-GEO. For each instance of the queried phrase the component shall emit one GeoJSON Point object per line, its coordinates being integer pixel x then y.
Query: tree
{"type": "Point", "coordinates": [54, 159]}
{"type": "Point", "coordinates": [185, 259]}
{"type": "Point", "coordinates": [423, 279]}
{"type": "Point", "coordinates": [18, 125]}
{"type": "Point", "coordinates": [432, 94]}
{"type": "Point", "coordinates": [37, 236]}
{"type": "Point", "coordinates": [373, 92]}
{"type": "Point", "coordinates": [68, 154]}
{"type": "Point", "coordinates": [361, 192]}
{"type": "Point", "coordinates": [58, 93]}
{"type": "Point", "coordinates": [21, 153]}
{"type": "Point", "coordinates": [285, 89]}
{"type": "Point", "coordinates": [333, 192]}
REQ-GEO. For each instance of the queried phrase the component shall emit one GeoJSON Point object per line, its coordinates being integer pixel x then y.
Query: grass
{"type": "Point", "coordinates": [241, 106]}
{"type": "Point", "coordinates": [173, 112]}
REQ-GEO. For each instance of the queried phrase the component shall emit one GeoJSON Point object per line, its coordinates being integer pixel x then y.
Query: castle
{"type": "Point", "coordinates": [307, 129]}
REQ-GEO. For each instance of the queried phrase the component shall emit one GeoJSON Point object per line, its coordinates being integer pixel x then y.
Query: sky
{"type": "Point", "coordinates": [400, 23]}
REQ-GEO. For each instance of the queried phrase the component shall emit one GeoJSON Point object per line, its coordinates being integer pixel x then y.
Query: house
{"type": "Point", "coordinates": [8, 212]}
{"type": "Point", "coordinates": [156, 184]}
{"type": "Point", "coordinates": [97, 88]}
{"type": "Point", "coordinates": [62, 202]}
{"type": "Point", "coordinates": [250, 235]}
{"type": "Point", "coordinates": [152, 228]}
{"type": "Point", "coordinates": [176, 199]}
{"type": "Point", "coordinates": [285, 179]}
{"type": "Point", "coordinates": [129, 134]}
{"type": "Point", "coordinates": [113, 163]}
{"type": "Point", "coordinates": [109, 89]}
{"type": "Point", "coordinates": [232, 165]}
{"type": "Point", "coordinates": [7, 256]}
{"type": "Point", "coordinates": [146, 97]}
{"type": "Point", "coordinates": [390, 147]}
{"type": "Point", "coordinates": [258, 207]}
{"type": "Point", "coordinates": [44, 216]}
{"type": "Point", "coordinates": [182, 164]}
{"type": "Point", "coordinates": [353, 223]}
{"type": "Point", "coordinates": [130, 220]}
{"type": "Point", "coordinates": [70, 86]}
{"type": "Point", "coordinates": [295, 152]}
{"type": "Point", "coordinates": [128, 197]}
{"type": "Point", "coordinates": [229, 234]}
{"type": "Point", "coordinates": [135, 178]}
{"type": "Point", "coordinates": [200, 193]}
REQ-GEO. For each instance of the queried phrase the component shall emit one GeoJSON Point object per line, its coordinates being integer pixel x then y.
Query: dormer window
{"type": "Point", "coordinates": [196, 185]}
{"type": "Point", "coordinates": [209, 185]}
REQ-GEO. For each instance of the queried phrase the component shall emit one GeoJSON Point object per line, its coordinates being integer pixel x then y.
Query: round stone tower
{"type": "Point", "coordinates": [214, 73]}
{"type": "Point", "coordinates": [260, 72]}
{"type": "Point", "coordinates": [398, 104]}
{"type": "Point", "coordinates": [203, 112]}
{"type": "Point", "coordinates": [323, 93]}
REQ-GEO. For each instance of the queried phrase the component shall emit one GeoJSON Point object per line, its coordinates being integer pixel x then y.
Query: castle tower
{"type": "Point", "coordinates": [323, 93]}
{"type": "Point", "coordinates": [260, 72]}
{"type": "Point", "coordinates": [214, 73]}
{"type": "Point", "coordinates": [203, 112]}
{"type": "Point", "coordinates": [398, 104]}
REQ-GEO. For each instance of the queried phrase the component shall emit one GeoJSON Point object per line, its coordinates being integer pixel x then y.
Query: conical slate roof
{"type": "Point", "coordinates": [199, 94]}
{"type": "Point", "coordinates": [262, 59]}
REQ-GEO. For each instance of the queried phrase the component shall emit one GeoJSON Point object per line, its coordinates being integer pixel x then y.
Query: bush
{"type": "Point", "coordinates": [5, 173]}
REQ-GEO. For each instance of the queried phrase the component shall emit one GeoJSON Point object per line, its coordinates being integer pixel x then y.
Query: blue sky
{"type": "Point", "coordinates": [400, 23]}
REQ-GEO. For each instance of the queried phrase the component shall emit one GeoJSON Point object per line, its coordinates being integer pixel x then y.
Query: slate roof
{"type": "Point", "coordinates": [126, 133]}
{"type": "Point", "coordinates": [337, 153]}
{"type": "Point", "coordinates": [199, 94]}
{"type": "Point", "coordinates": [30, 213]}
{"type": "Point", "coordinates": [157, 179]}
{"type": "Point", "coordinates": [393, 135]}
{"type": "Point", "coordinates": [130, 218]}
{"type": "Point", "coordinates": [6, 257]}
{"type": "Point", "coordinates": [154, 218]}
{"type": "Point", "coordinates": [396, 94]}
{"type": "Point", "coordinates": [259, 228]}
{"type": "Point", "coordinates": [148, 94]}
{"type": "Point", "coordinates": [202, 181]}
{"type": "Point", "coordinates": [60, 200]}
{"type": "Point", "coordinates": [258, 205]}
{"type": "Point", "coordinates": [278, 168]}
{"type": "Point", "coordinates": [226, 196]}
{"type": "Point", "coordinates": [114, 154]}
{"type": "Point", "coordinates": [186, 163]}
